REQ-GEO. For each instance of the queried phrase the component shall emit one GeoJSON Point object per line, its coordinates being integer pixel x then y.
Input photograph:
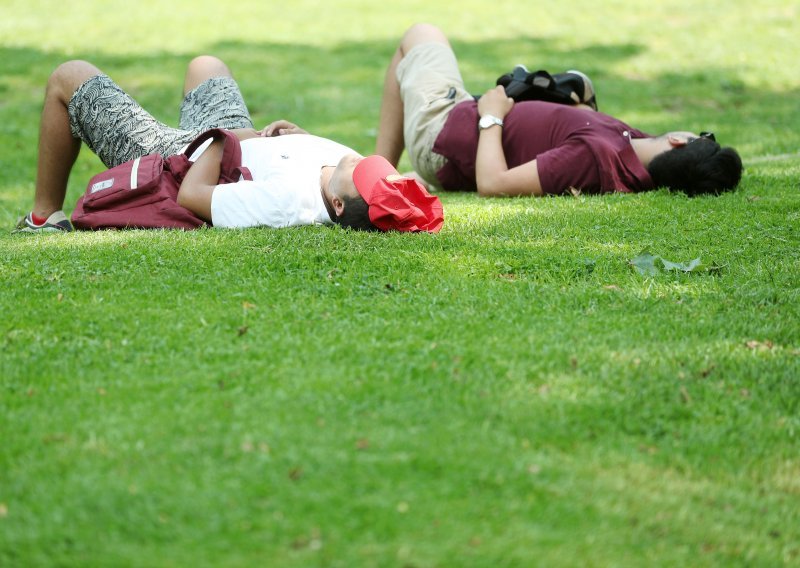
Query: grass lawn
{"type": "Point", "coordinates": [508, 392]}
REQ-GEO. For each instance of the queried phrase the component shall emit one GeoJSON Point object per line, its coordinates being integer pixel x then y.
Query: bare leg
{"type": "Point", "coordinates": [58, 149]}
{"type": "Point", "coordinates": [203, 68]}
{"type": "Point", "coordinates": [390, 143]}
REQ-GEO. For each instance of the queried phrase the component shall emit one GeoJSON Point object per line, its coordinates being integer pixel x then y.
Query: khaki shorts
{"type": "Point", "coordinates": [430, 86]}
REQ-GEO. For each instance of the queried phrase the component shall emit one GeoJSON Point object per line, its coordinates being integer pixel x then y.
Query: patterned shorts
{"type": "Point", "coordinates": [118, 129]}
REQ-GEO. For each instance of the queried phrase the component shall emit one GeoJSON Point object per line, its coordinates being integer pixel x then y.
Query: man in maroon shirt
{"type": "Point", "coordinates": [500, 148]}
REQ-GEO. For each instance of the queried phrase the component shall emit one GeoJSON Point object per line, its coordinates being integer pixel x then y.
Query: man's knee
{"type": "Point", "coordinates": [201, 69]}
{"type": "Point", "coordinates": [67, 77]}
{"type": "Point", "coordinates": [208, 66]}
{"type": "Point", "coordinates": [422, 33]}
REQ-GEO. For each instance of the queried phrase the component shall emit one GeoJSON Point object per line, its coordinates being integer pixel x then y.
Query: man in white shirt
{"type": "Point", "coordinates": [298, 178]}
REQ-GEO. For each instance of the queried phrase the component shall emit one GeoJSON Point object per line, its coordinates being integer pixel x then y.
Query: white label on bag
{"type": "Point", "coordinates": [135, 173]}
{"type": "Point", "coordinates": [100, 185]}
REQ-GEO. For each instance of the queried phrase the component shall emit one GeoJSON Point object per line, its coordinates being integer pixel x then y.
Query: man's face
{"type": "Point", "coordinates": [341, 184]}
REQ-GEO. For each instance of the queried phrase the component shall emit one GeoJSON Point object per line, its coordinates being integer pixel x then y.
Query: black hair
{"type": "Point", "coordinates": [701, 166]}
{"type": "Point", "coordinates": [355, 214]}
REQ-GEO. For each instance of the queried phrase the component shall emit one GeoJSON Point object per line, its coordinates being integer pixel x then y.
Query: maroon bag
{"type": "Point", "coordinates": [142, 193]}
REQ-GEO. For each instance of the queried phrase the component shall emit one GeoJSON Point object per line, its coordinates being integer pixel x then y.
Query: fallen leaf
{"type": "Point", "coordinates": [707, 371]}
{"type": "Point", "coordinates": [3, 510]}
{"type": "Point", "coordinates": [362, 444]}
{"type": "Point", "coordinates": [645, 263]}
{"type": "Point", "coordinates": [248, 306]}
{"type": "Point", "coordinates": [612, 287]}
{"type": "Point", "coordinates": [691, 266]}
{"type": "Point", "coordinates": [300, 543]}
{"type": "Point", "coordinates": [761, 345]}
{"type": "Point", "coordinates": [54, 438]}
{"type": "Point", "coordinates": [242, 330]}
{"type": "Point", "coordinates": [295, 473]}
{"type": "Point", "coordinates": [685, 396]}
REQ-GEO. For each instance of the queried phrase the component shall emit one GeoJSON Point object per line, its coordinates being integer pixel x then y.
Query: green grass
{"type": "Point", "coordinates": [509, 392]}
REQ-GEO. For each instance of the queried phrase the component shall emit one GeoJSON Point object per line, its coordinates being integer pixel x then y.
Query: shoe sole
{"type": "Point", "coordinates": [587, 83]}
{"type": "Point", "coordinates": [31, 231]}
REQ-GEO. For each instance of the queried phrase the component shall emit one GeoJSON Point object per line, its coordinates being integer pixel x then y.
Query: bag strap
{"type": "Point", "coordinates": [231, 168]}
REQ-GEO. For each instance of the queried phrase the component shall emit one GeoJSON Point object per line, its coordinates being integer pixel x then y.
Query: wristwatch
{"type": "Point", "coordinates": [487, 121]}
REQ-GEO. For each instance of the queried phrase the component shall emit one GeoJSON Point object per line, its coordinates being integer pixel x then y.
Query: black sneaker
{"type": "Point", "coordinates": [579, 84]}
{"type": "Point", "coordinates": [56, 222]}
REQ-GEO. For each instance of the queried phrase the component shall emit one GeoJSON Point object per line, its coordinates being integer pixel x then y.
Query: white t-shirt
{"type": "Point", "coordinates": [285, 190]}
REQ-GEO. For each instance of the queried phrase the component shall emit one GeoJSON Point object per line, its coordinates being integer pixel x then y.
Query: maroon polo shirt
{"type": "Point", "coordinates": [576, 148]}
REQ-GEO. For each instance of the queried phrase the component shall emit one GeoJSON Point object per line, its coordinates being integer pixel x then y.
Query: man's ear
{"type": "Point", "coordinates": [338, 205]}
{"type": "Point", "coordinates": [677, 140]}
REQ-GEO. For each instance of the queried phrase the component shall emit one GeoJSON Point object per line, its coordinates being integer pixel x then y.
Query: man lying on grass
{"type": "Point", "coordinates": [529, 148]}
{"type": "Point", "coordinates": [297, 180]}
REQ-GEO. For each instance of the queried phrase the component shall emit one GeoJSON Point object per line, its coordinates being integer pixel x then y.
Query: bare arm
{"type": "Point", "coordinates": [492, 175]}
{"type": "Point", "coordinates": [201, 179]}
{"type": "Point", "coordinates": [245, 133]}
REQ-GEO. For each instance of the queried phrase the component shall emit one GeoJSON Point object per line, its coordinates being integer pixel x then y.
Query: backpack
{"type": "Point", "coordinates": [562, 88]}
{"type": "Point", "coordinates": [142, 193]}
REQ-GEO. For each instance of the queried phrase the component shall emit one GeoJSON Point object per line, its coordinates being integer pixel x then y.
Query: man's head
{"type": "Point", "coordinates": [695, 165]}
{"type": "Point", "coordinates": [349, 207]}
{"type": "Point", "coordinates": [369, 193]}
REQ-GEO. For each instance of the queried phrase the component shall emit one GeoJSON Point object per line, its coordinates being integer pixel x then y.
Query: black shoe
{"type": "Point", "coordinates": [579, 85]}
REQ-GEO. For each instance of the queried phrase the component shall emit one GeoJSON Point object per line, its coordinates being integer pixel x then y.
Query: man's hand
{"type": "Point", "coordinates": [495, 102]}
{"type": "Point", "coordinates": [281, 128]}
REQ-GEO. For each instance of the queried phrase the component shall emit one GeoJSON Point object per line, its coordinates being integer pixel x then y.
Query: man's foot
{"type": "Point", "coordinates": [580, 85]}
{"type": "Point", "coordinates": [55, 222]}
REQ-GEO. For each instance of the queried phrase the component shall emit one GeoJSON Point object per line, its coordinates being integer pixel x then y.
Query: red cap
{"type": "Point", "coordinates": [395, 202]}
